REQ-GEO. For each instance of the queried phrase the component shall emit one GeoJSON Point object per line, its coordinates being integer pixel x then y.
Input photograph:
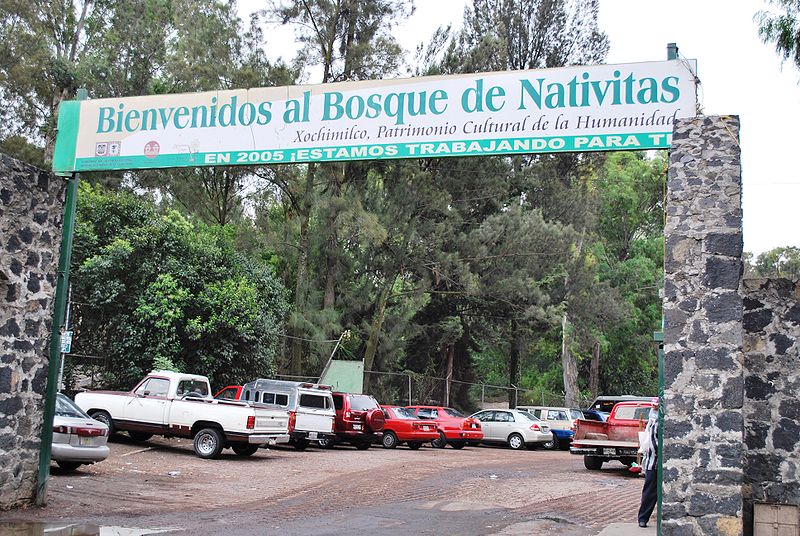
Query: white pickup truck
{"type": "Point", "coordinates": [180, 405]}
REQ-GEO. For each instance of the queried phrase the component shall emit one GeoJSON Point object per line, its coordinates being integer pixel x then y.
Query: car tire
{"type": "Point", "coordinates": [139, 436]}
{"type": "Point", "coordinates": [300, 444]}
{"type": "Point", "coordinates": [414, 445]}
{"type": "Point", "coordinates": [593, 463]}
{"type": "Point", "coordinates": [105, 418]}
{"type": "Point", "coordinates": [440, 442]}
{"type": "Point", "coordinates": [552, 444]}
{"type": "Point", "coordinates": [69, 466]}
{"type": "Point", "coordinates": [208, 443]}
{"type": "Point", "coordinates": [362, 445]}
{"type": "Point", "coordinates": [389, 440]}
{"type": "Point", "coordinates": [474, 443]}
{"type": "Point", "coordinates": [244, 449]}
{"type": "Point", "coordinates": [516, 442]}
{"type": "Point", "coordinates": [458, 445]}
{"type": "Point", "coordinates": [326, 442]}
{"type": "Point", "coordinates": [628, 461]}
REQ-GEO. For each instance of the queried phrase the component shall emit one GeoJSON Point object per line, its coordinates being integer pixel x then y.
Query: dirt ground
{"type": "Point", "coordinates": [161, 485]}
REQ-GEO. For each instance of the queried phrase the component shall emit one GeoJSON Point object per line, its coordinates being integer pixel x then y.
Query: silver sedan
{"type": "Point", "coordinates": [77, 438]}
{"type": "Point", "coordinates": [515, 428]}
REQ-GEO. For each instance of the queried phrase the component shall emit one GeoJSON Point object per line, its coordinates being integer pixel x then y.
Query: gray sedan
{"type": "Point", "coordinates": [77, 438]}
{"type": "Point", "coordinates": [515, 428]}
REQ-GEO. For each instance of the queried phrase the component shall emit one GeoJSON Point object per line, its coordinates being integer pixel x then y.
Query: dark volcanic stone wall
{"type": "Point", "coordinates": [31, 205]}
{"type": "Point", "coordinates": [703, 373]}
{"type": "Point", "coordinates": [772, 393]}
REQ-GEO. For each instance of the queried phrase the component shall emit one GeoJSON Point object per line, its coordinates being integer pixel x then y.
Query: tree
{"type": "Point", "coordinates": [151, 286]}
{"type": "Point", "coordinates": [782, 29]}
{"type": "Point", "coordinates": [778, 262]}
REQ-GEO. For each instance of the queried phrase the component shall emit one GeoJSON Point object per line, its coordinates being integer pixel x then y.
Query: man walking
{"type": "Point", "coordinates": [649, 450]}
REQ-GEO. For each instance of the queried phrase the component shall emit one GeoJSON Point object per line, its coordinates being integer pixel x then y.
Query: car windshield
{"type": "Point", "coordinates": [403, 413]}
{"type": "Point", "coordinates": [67, 408]}
{"type": "Point", "coordinates": [576, 413]}
{"type": "Point", "coordinates": [453, 412]}
{"type": "Point", "coordinates": [362, 402]}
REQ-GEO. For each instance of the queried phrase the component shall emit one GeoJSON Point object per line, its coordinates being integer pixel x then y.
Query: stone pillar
{"type": "Point", "coordinates": [31, 207]}
{"type": "Point", "coordinates": [703, 373]}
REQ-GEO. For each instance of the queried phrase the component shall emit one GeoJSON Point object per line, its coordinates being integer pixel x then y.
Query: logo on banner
{"type": "Point", "coordinates": [151, 149]}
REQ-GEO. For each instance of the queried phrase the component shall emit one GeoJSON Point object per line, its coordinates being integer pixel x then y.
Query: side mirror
{"type": "Point", "coordinates": [146, 393]}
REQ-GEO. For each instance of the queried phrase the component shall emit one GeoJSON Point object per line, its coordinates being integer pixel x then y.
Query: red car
{"type": "Point", "coordinates": [454, 428]}
{"type": "Point", "coordinates": [402, 426]}
{"type": "Point", "coordinates": [359, 421]}
{"type": "Point", "coordinates": [231, 392]}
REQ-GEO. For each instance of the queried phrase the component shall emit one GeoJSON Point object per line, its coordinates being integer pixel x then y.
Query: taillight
{"type": "Point", "coordinates": [292, 421]}
{"type": "Point", "coordinates": [61, 430]}
{"type": "Point", "coordinates": [251, 422]}
{"type": "Point", "coordinates": [347, 414]}
{"type": "Point", "coordinates": [81, 431]}
{"type": "Point", "coordinates": [535, 428]}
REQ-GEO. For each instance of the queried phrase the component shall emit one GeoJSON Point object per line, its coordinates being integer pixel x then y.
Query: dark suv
{"type": "Point", "coordinates": [359, 420]}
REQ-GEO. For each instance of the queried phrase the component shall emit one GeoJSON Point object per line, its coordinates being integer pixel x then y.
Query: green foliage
{"type": "Point", "coordinates": [782, 29]}
{"type": "Point", "coordinates": [777, 262]}
{"type": "Point", "coordinates": [155, 288]}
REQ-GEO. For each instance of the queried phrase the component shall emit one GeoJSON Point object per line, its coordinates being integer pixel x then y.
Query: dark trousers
{"type": "Point", "coordinates": [649, 494]}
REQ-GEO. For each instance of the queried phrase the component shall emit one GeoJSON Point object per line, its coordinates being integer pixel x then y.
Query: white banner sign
{"type": "Point", "coordinates": [585, 108]}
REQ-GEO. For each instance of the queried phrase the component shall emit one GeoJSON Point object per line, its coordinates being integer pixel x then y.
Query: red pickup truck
{"type": "Point", "coordinates": [615, 439]}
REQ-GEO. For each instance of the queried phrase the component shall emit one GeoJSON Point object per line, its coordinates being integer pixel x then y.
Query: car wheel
{"type": "Point", "coordinates": [593, 463]}
{"type": "Point", "coordinates": [139, 436]}
{"type": "Point", "coordinates": [516, 442]}
{"type": "Point", "coordinates": [389, 440]}
{"type": "Point", "coordinates": [245, 449]}
{"type": "Point", "coordinates": [325, 442]}
{"type": "Point", "coordinates": [440, 442]}
{"type": "Point", "coordinates": [458, 445]}
{"type": "Point", "coordinates": [208, 443]}
{"type": "Point", "coordinates": [300, 444]}
{"type": "Point", "coordinates": [69, 466]}
{"type": "Point", "coordinates": [552, 444]}
{"type": "Point", "coordinates": [105, 418]}
{"type": "Point", "coordinates": [414, 445]}
{"type": "Point", "coordinates": [362, 445]}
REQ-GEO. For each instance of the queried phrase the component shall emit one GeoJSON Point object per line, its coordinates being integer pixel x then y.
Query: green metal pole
{"type": "Point", "coordinates": [67, 232]}
{"type": "Point", "coordinates": [659, 337]}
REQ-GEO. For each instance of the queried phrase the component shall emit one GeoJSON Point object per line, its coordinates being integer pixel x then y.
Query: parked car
{"type": "Point", "coordinates": [606, 403]}
{"type": "Point", "coordinates": [615, 439]}
{"type": "Point", "coordinates": [595, 415]}
{"type": "Point", "coordinates": [309, 407]}
{"type": "Point", "coordinates": [230, 392]}
{"type": "Point", "coordinates": [515, 428]}
{"type": "Point", "coordinates": [77, 438]}
{"type": "Point", "coordinates": [561, 421]}
{"type": "Point", "coordinates": [402, 426]}
{"type": "Point", "coordinates": [179, 405]}
{"type": "Point", "coordinates": [359, 421]}
{"type": "Point", "coordinates": [453, 427]}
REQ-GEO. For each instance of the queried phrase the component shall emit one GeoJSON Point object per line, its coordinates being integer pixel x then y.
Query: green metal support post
{"type": "Point", "coordinates": [59, 310]}
{"type": "Point", "coordinates": [658, 336]}
{"type": "Point", "coordinates": [62, 283]}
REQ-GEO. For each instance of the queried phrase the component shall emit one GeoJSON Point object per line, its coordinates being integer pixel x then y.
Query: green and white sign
{"type": "Point", "coordinates": [585, 108]}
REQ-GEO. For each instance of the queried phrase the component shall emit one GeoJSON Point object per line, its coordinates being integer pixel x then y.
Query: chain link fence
{"type": "Point", "coordinates": [410, 388]}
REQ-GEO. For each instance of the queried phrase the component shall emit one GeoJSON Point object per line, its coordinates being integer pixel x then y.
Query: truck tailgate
{"type": "Point", "coordinates": [605, 443]}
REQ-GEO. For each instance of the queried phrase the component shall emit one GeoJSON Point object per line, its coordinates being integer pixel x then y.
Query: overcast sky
{"type": "Point", "coordinates": [739, 75]}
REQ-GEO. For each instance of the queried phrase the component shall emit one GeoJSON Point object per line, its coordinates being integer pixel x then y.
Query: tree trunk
{"type": "Point", "coordinates": [301, 283]}
{"type": "Point", "coordinates": [449, 354]}
{"type": "Point", "coordinates": [568, 365]}
{"type": "Point", "coordinates": [374, 333]}
{"type": "Point", "coordinates": [331, 245]}
{"type": "Point", "coordinates": [594, 370]}
{"type": "Point", "coordinates": [517, 343]}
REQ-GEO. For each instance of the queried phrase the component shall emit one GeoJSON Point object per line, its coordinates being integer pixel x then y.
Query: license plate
{"type": "Point", "coordinates": [356, 427]}
{"type": "Point", "coordinates": [85, 441]}
{"type": "Point", "coordinates": [312, 435]}
{"type": "Point", "coordinates": [610, 452]}
{"type": "Point", "coordinates": [426, 428]}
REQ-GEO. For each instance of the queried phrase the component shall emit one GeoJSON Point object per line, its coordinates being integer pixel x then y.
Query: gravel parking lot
{"type": "Point", "coordinates": [162, 485]}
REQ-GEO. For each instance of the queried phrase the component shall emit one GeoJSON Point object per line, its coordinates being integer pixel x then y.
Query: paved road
{"type": "Point", "coordinates": [485, 490]}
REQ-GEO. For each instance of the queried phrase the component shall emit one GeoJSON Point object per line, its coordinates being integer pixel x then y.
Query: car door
{"type": "Point", "coordinates": [149, 403]}
{"type": "Point", "coordinates": [504, 424]}
{"type": "Point", "coordinates": [487, 424]}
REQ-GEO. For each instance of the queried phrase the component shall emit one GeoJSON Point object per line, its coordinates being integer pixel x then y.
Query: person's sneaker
{"type": "Point", "coordinates": [643, 524]}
